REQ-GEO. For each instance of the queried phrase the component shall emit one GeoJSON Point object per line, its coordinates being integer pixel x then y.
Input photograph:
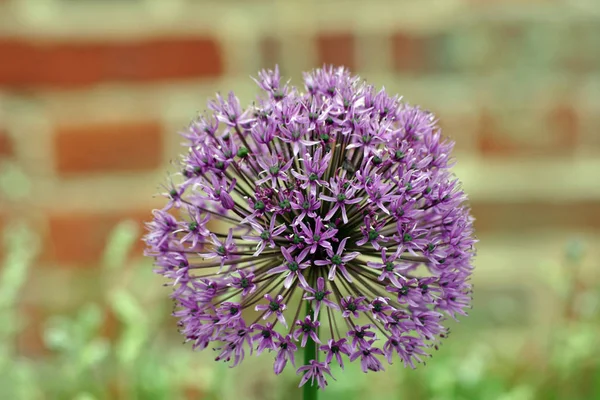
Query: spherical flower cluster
{"type": "Point", "coordinates": [326, 219]}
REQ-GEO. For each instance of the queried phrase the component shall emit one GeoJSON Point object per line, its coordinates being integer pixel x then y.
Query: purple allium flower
{"type": "Point", "coordinates": [319, 296]}
{"type": "Point", "coordinates": [273, 306]}
{"type": "Point", "coordinates": [368, 361]}
{"type": "Point", "coordinates": [335, 348]}
{"type": "Point", "coordinates": [287, 350]}
{"type": "Point", "coordinates": [337, 194]}
{"type": "Point", "coordinates": [245, 282]}
{"type": "Point", "coordinates": [338, 261]}
{"type": "Point", "coordinates": [265, 338]}
{"type": "Point", "coordinates": [315, 371]}
{"type": "Point", "coordinates": [352, 306]}
{"type": "Point", "coordinates": [307, 328]}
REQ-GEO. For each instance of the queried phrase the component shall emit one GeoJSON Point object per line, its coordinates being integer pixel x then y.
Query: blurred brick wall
{"type": "Point", "coordinates": [92, 94]}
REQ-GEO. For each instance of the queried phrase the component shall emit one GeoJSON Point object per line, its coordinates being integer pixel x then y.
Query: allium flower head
{"type": "Point", "coordinates": [326, 215]}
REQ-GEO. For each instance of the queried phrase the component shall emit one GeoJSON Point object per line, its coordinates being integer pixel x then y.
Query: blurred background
{"type": "Point", "coordinates": [93, 93]}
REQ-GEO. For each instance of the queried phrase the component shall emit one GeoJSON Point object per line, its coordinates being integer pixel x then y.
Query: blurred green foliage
{"type": "Point", "coordinates": [138, 361]}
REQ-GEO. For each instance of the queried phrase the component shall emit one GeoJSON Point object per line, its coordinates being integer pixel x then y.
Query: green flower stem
{"type": "Point", "coordinates": [310, 352]}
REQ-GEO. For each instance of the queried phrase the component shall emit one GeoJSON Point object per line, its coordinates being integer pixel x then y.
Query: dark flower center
{"type": "Point", "coordinates": [337, 260]}
{"type": "Point", "coordinates": [325, 137]}
{"type": "Point", "coordinates": [293, 266]}
{"type": "Point", "coordinates": [351, 307]}
{"type": "Point", "coordinates": [284, 203]}
{"type": "Point", "coordinates": [360, 334]}
{"type": "Point", "coordinates": [313, 177]}
{"type": "Point", "coordinates": [341, 197]}
{"type": "Point", "coordinates": [283, 346]}
{"type": "Point", "coordinates": [346, 185]}
{"type": "Point", "coordinates": [244, 283]}
{"type": "Point", "coordinates": [377, 160]}
{"type": "Point", "coordinates": [221, 250]}
{"type": "Point", "coordinates": [242, 152]}
{"type": "Point", "coordinates": [320, 295]}
{"type": "Point", "coordinates": [430, 247]}
{"type": "Point", "coordinates": [266, 334]}
{"type": "Point", "coordinates": [316, 238]}
{"type": "Point", "coordinates": [173, 193]}
{"type": "Point", "coordinates": [403, 290]}
{"type": "Point", "coordinates": [377, 307]}
{"type": "Point", "coordinates": [274, 170]}
{"type": "Point", "coordinates": [278, 95]}
{"type": "Point", "coordinates": [233, 310]}
{"type": "Point", "coordinates": [335, 349]}
{"type": "Point", "coordinates": [373, 234]}
{"type": "Point", "coordinates": [297, 239]}
{"type": "Point", "coordinates": [273, 306]}
{"type": "Point", "coordinates": [193, 226]}
{"type": "Point", "coordinates": [306, 205]}
{"type": "Point", "coordinates": [399, 154]}
{"type": "Point", "coordinates": [220, 164]}
{"type": "Point", "coordinates": [259, 205]}
{"type": "Point", "coordinates": [265, 235]}
{"type": "Point", "coordinates": [389, 266]}
{"type": "Point", "coordinates": [307, 328]}
{"type": "Point", "coordinates": [407, 237]}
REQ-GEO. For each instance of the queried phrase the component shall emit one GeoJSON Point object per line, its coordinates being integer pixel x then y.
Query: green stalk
{"type": "Point", "coordinates": [310, 352]}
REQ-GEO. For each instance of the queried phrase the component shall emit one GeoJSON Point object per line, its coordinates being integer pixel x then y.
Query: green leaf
{"type": "Point", "coordinates": [88, 320]}
{"type": "Point", "coordinates": [21, 246]}
{"type": "Point", "coordinates": [120, 243]}
{"type": "Point", "coordinates": [60, 336]}
{"type": "Point", "coordinates": [94, 353]}
{"type": "Point", "coordinates": [136, 331]}
{"type": "Point", "coordinates": [14, 183]}
{"type": "Point", "coordinates": [126, 307]}
{"type": "Point", "coordinates": [131, 343]}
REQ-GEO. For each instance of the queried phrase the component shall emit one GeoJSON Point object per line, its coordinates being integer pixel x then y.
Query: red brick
{"type": "Point", "coordinates": [490, 139]}
{"type": "Point", "coordinates": [6, 146]}
{"type": "Point", "coordinates": [110, 328]}
{"type": "Point", "coordinates": [193, 393]}
{"type": "Point", "coordinates": [64, 64]}
{"type": "Point", "coordinates": [106, 147]}
{"type": "Point", "coordinates": [337, 49]}
{"type": "Point", "coordinates": [563, 123]}
{"type": "Point", "coordinates": [458, 126]}
{"type": "Point", "coordinates": [518, 131]}
{"type": "Point", "coordinates": [409, 53]}
{"type": "Point", "coordinates": [270, 50]}
{"type": "Point", "coordinates": [79, 238]}
{"type": "Point", "coordinates": [573, 216]}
